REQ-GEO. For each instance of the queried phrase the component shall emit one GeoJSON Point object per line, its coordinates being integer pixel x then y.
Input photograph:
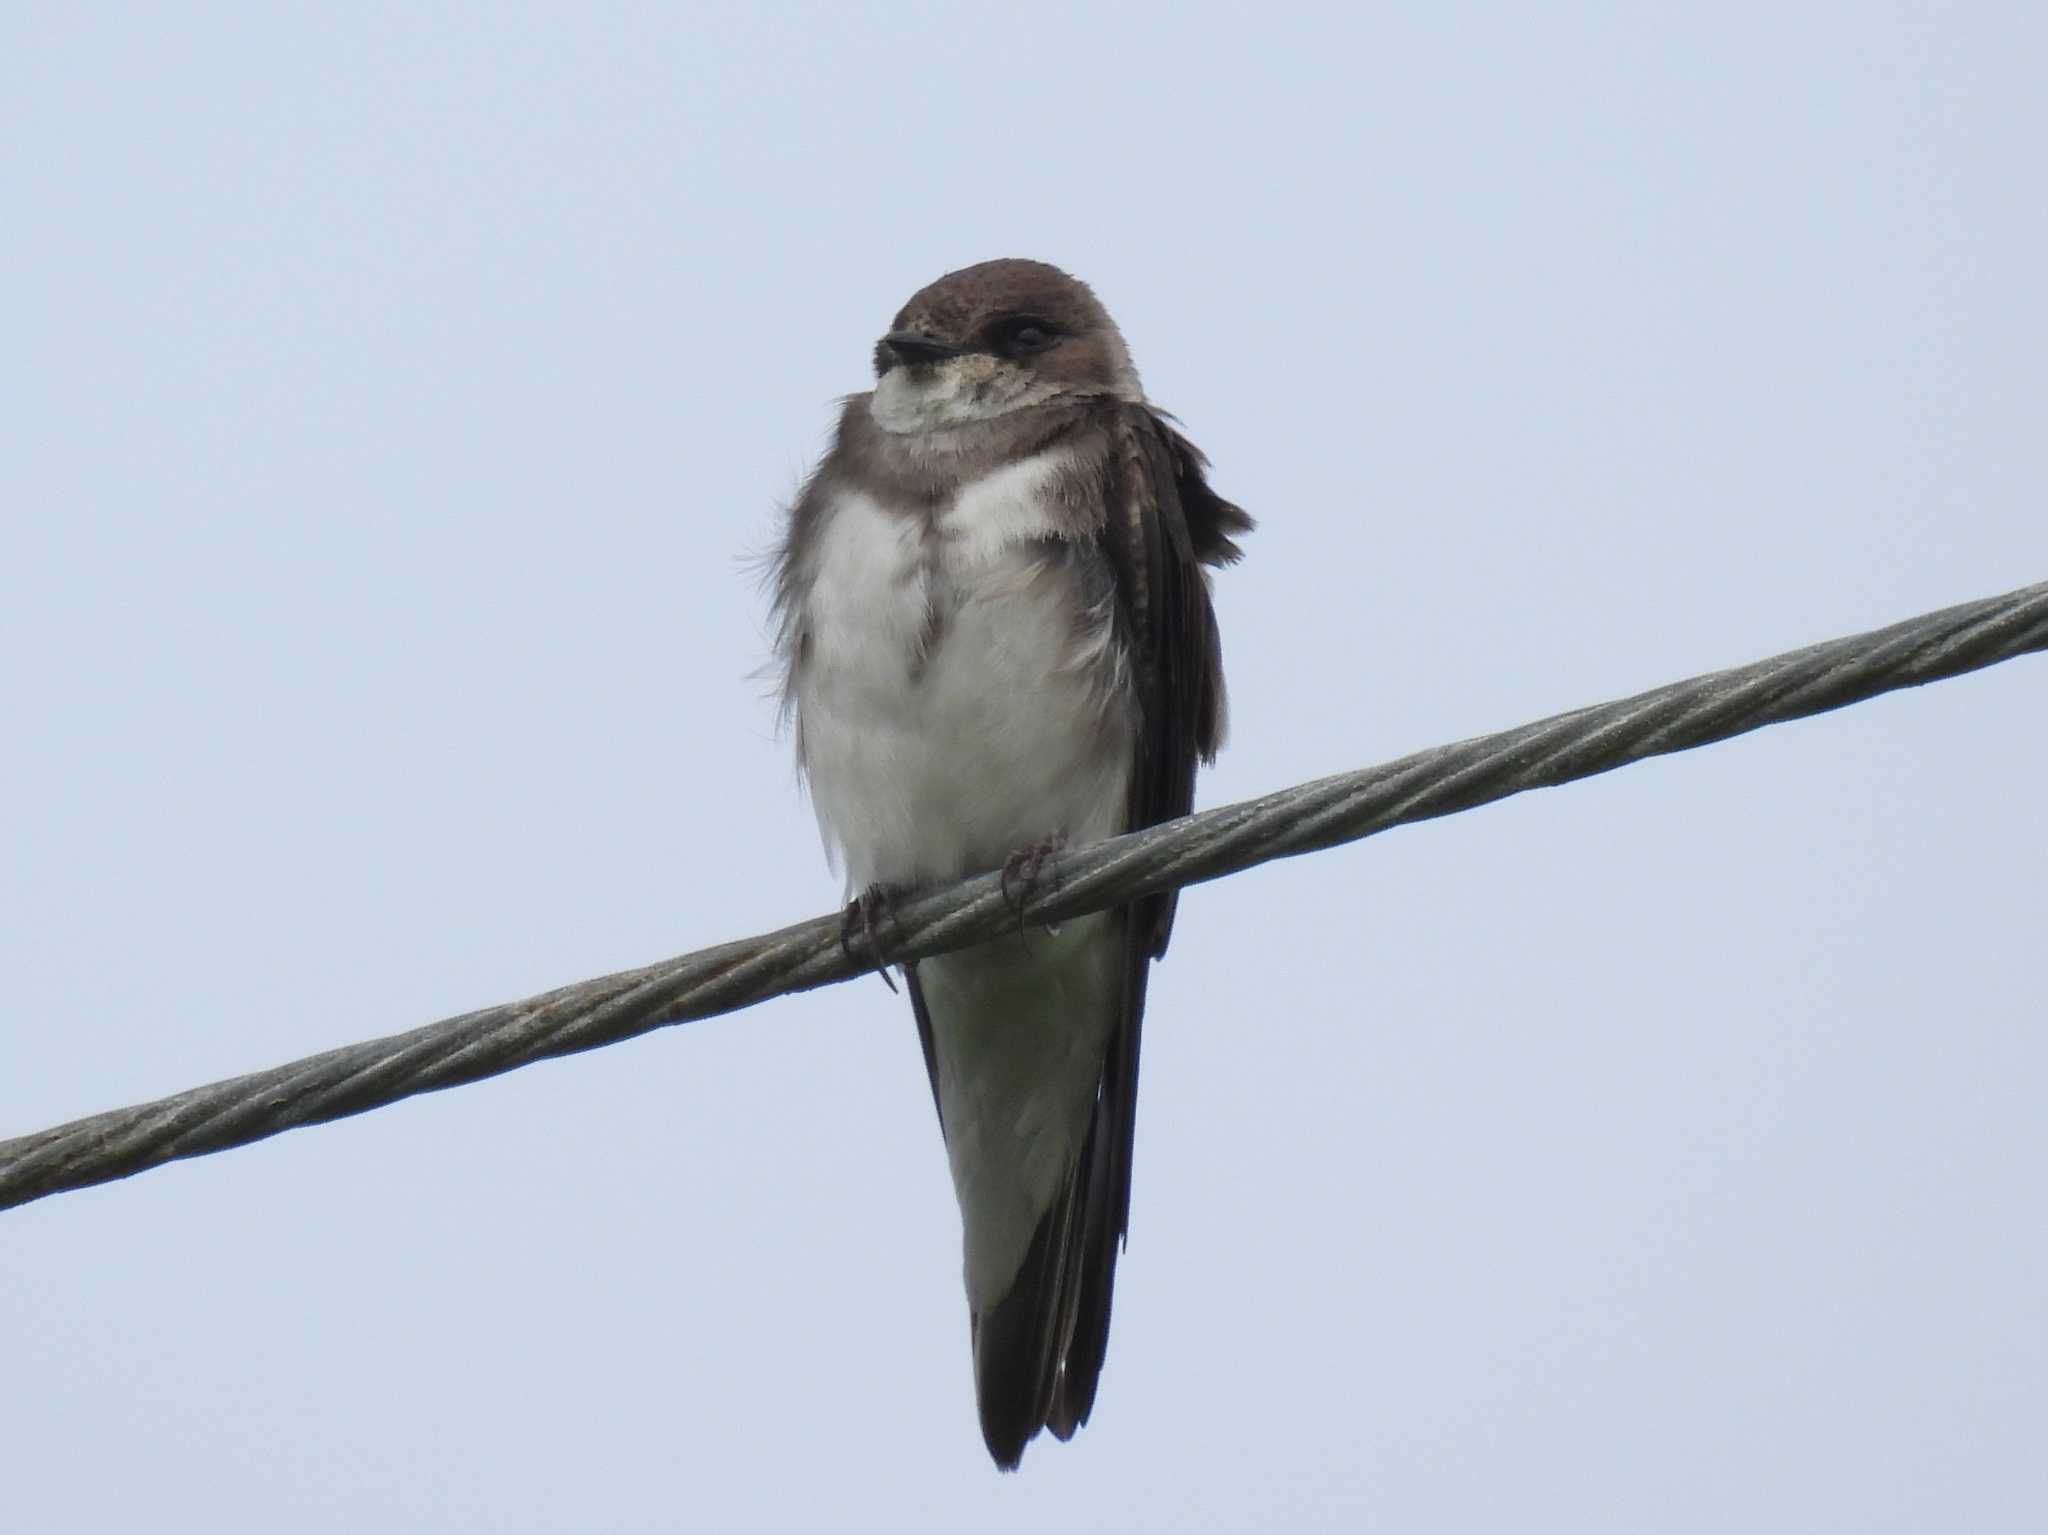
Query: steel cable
{"type": "Point", "coordinates": [1204, 846]}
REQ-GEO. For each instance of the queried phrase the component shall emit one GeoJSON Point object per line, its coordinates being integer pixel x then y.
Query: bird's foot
{"type": "Point", "coordinates": [859, 929]}
{"type": "Point", "coordinates": [1029, 868]}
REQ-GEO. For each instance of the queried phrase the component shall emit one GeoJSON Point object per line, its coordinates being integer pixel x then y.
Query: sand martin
{"type": "Point", "coordinates": [996, 638]}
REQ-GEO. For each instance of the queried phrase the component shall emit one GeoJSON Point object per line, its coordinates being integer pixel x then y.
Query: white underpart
{"type": "Point", "coordinates": [1021, 1025]}
{"type": "Point", "coordinates": [1015, 726]}
{"type": "Point", "coordinates": [928, 766]}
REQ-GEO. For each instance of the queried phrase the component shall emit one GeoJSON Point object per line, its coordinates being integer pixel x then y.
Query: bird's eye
{"type": "Point", "coordinates": [1024, 333]}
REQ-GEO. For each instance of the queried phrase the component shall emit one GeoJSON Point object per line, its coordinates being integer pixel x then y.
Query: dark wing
{"type": "Point", "coordinates": [925, 1039]}
{"type": "Point", "coordinates": [1164, 524]}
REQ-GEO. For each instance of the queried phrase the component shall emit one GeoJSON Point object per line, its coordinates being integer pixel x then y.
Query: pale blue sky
{"type": "Point", "coordinates": [393, 397]}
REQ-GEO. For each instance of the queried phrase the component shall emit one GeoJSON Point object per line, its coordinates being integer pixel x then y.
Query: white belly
{"type": "Point", "coordinates": [953, 704]}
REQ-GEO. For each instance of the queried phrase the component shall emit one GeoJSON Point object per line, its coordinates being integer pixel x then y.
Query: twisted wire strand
{"type": "Point", "coordinates": [1209, 845]}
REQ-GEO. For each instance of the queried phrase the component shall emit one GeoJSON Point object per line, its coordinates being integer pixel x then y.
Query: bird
{"type": "Point", "coordinates": [995, 639]}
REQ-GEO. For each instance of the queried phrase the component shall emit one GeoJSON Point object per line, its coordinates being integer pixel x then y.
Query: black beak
{"type": "Point", "coordinates": [911, 346]}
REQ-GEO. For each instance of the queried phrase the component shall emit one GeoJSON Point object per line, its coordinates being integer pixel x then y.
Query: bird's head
{"type": "Point", "coordinates": [994, 338]}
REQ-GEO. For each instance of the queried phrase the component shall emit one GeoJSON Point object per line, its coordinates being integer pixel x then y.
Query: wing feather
{"type": "Point", "coordinates": [1164, 524]}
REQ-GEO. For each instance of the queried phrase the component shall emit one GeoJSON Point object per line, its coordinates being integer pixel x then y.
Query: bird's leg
{"type": "Point", "coordinates": [858, 922]}
{"type": "Point", "coordinates": [1024, 869]}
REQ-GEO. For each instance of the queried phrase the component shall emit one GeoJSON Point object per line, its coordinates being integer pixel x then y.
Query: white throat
{"type": "Point", "coordinates": [954, 392]}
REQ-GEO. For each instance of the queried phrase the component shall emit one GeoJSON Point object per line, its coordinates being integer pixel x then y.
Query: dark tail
{"type": "Point", "coordinates": [1038, 1351]}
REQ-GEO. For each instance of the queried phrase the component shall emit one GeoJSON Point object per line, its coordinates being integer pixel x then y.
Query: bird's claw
{"type": "Point", "coordinates": [858, 921]}
{"type": "Point", "coordinates": [1023, 870]}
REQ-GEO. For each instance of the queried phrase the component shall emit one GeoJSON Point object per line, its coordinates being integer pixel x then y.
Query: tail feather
{"type": "Point", "coordinates": [1092, 1280]}
{"type": "Point", "coordinates": [1017, 1342]}
{"type": "Point", "coordinates": [1038, 1352]}
{"type": "Point", "coordinates": [1038, 1349]}
{"type": "Point", "coordinates": [1106, 1164]}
